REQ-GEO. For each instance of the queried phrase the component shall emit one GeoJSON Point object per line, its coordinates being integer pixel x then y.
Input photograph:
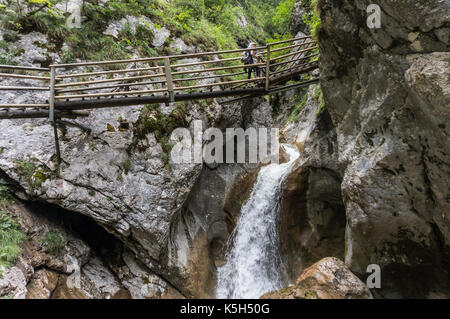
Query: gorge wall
{"type": "Point", "coordinates": [387, 92]}
{"type": "Point", "coordinates": [370, 186]}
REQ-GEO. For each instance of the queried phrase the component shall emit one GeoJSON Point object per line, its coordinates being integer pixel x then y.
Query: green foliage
{"type": "Point", "coordinates": [7, 51]}
{"type": "Point", "coordinates": [53, 242]}
{"type": "Point", "coordinates": [298, 108]}
{"type": "Point", "coordinates": [34, 175]}
{"type": "Point", "coordinates": [152, 120]}
{"type": "Point", "coordinates": [126, 166]}
{"type": "Point", "coordinates": [318, 96]}
{"type": "Point", "coordinates": [282, 17]}
{"type": "Point", "coordinates": [11, 237]}
{"type": "Point", "coordinates": [5, 197]}
{"type": "Point", "coordinates": [207, 24]}
{"type": "Point", "coordinates": [312, 19]}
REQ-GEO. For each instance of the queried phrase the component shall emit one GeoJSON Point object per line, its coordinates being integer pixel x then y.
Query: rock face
{"type": "Point", "coordinates": [297, 23]}
{"type": "Point", "coordinates": [387, 92]}
{"type": "Point", "coordinates": [313, 218]}
{"type": "Point", "coordinates": [135, 195]}
{"type": "Point", "coordinates": [40, 274]}
{"type": "Point", "coordinates": [327, 279]}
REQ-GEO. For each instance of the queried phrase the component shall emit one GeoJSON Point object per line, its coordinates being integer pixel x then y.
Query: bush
{"type": "Point", "coordinates": [313, 18]}
{"type": "Point", "coordinates": [298, 108]}
{"type": "Point", "coordinates": [11, 237]}
{"type": "Point", "coordinates": [53, 242]}
{"type": "Point", "coordinates": [5, 197]}
{"type": "Point", "coordinates": [33, 175]}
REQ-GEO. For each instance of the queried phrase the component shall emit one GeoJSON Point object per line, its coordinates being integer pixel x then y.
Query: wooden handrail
{"type": "Point", "coordinates": [28, 77]}
{"type": "Point", "coordinates": [24, 68]}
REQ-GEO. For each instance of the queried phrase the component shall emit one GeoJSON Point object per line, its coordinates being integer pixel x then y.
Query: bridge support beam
{"type": "Point", "coordinates": [169, 79]}
{"type": "Point", "coordinates": [268, 68]}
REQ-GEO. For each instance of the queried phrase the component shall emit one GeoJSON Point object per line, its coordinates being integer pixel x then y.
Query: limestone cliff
{"type": "Point", "coordinates": [387, 92]}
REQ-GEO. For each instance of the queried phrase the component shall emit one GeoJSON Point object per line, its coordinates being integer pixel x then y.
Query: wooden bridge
{"type": "Point", "coordinates": [71, 89]}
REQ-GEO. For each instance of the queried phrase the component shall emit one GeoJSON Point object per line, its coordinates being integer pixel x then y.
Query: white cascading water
{"type": "Point", "coordinates": [253, 264]}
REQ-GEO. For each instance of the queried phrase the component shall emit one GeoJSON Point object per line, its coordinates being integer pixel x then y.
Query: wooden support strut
{"type": "Point", "coordinates": [268, 68]}
{"type": "Point", "coordinates": [51, 112]}
{"type": "Point", "coordinates": [169, 79]}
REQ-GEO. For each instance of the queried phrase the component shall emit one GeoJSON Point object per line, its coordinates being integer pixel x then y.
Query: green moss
{"type": "Point", "coordinates": [34, 176]}
{"type": "Point", "coordinates": [311, 294]}
{"type": "Point", "coordinates": [11, 237]}
{"type": "Point", "coordinates": [312, 19]}
{"type": "Point", "coordinates": [318, 96]}
{"type": "Point", "coordinates": [298, 108]}
{"type": "Point", "coordinates": [110, 128]}
{"type": "Point", "coordinates": [152, 120]}
{"type": "Point", "coordinates": [126, 165]}
{"type": "Point", "coordinates": [53, 242]}
{"type": "Point", "coordinates": [5, 197]}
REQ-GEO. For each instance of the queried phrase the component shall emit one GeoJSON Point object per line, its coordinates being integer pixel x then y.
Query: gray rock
{"type": "Point", "coordinates": [327, 279]}
{"type": "Point", "coordinates": [160, 34]}
{"type": "Point", "coordinates": [387, 105]}
{"type": "Point", "coordinates": [297, 24]}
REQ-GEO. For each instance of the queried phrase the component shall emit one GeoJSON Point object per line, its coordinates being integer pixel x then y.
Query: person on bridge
{"type": "Point", "coordinates": [252, 58]}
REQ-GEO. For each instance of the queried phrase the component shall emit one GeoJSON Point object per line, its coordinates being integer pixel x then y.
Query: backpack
{"type": "Point", "coordinates": [245, 56]}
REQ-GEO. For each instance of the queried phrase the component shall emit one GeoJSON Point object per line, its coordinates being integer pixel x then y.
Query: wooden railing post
{"type": "Point", "coordinates": [51, 111]}
{"type": "Point", "coordinates": [51, 98]}
{"type": "Point", "coordinates": [169, 79]}
{"type": "Point", "coordinates": [268, 69]}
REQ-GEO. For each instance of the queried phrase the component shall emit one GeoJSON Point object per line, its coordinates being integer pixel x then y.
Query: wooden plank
{"type": "Point", "coordinates": [217, 84]}
{"type": "Point", "coordinates": [28, 77]}
{"type": "Point", "coordinates": [209, 77]}
{"type": "Point", "coordinates": [293, 61]}
{"type": "Point", "coordinates": [24, 68]}
{"type": "Point", "coordinates": [25, 106]}
{"type": "Point", "coordinates": [23, 88]}
{"type": "Point", "coordinates": [75, 75]}
{"type": "Point", "coordinates": [131, 101]}
{"type": "Point", "coordinates": [51, 98]}
{"type": "Point", "coordinates": [41, 114]}
{"type": "Point", "coordinates": [79, 96]}
{"type": "Point", "coordinates": [303, 65]}
{"type": "Point", "coordinates": [205, 62]}
{"type": "Point", "coordinates": [95, 88]}
{"type": "Point", "coordinates": [132, 78]}
{"type": "Point", "coordinates": [294, 53]}
{"type": "Point", "coordinates": [268, 68]}
{"type": "Point", "coordinates": [290, 47]}
{"type": "Point", "coordinates": [218, 69]}
{"type": "Point", "coordinates": [168, 72]}
{"type": "Point", "coordinates": [291, 40]}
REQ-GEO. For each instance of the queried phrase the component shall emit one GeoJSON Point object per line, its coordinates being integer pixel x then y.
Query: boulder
{"type": "Point", "coordinates": [327, 279]}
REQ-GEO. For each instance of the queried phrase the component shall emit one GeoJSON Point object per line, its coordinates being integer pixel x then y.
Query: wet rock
{"type": "Point", "coordinates": [327, 279]}
{"type": "Point", "coordinates": [13, 282]}
{"type": "Point", "coordinates": [387, 105]}
{"type": "Point", "coordinates": [312, 215]}
{"type": "Point", "coordinates": [42, 284]}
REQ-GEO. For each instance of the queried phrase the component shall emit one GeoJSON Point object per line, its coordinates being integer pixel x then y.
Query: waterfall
{"type": "Point", "coordinates": [253, 263]}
